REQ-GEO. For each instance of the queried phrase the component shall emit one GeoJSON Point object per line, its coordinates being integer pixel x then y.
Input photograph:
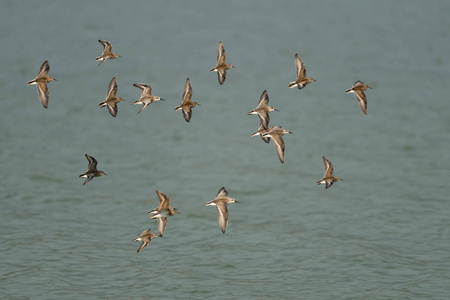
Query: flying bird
{"type": "Point", "coordinates": [92, 170]}
{"type": "Point", "coordinates": [146, 96]}
{"type": "Point", "coordinates": [111, 98]}
{"type": "Point", "coordinates": [146, 237]}
{"type": "Point", "coordinates": [107, 53]}
{"type": "Point", "coordinates": [328, 178]}
{"type": "Point", "coordinates": [302, 80]}
{"type": "Point", "coordinates": [263, 109]}
{"type": "Point", "coordinates": [41, 81]}
{"type": "Point", "coordinates": [220, 202]}
{"type": "Point", "coordinates": [221, 66]}
{"type": "Point", "coordinates": [358, 89]}
{"type": "Point", "coordinates": [186, 104]}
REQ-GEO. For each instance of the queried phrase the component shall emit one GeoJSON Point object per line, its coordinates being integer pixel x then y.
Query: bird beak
{"type": "Point", "coordinates": [237, 201]}
{"type": "Point", "coordinates": [162, 99]}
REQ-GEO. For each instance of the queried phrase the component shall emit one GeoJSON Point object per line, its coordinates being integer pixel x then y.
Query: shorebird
{"type": "Point", "coordinates": [163, 211]}
{"type": "Point", "coordinates": [220, 202]}
{"type": "Point", "coordinates": [92, 170]}
{"type": "Point", "coordinates": [146, 96]}
{"type": "Point", "coordinates": [328, 178]}
{"type": "Point", "coordinates": [111, 98]}
{"type": "Point", "coordinates": [263, 110]}
{"type": "Point", "coordinates": [221, 66]}
{"type": "Point", "coordinates": [186, 104]}
{"type": "Point", "coordinates": [358, 89]}
{"type": "Point", "coordinates": [261, 131]}
{"type": "Point", "coordinates": [107, 54]}
{"type": "Point", "coordinates": [276, 133]}
{"type": "Point", "coordinates": [41, 81]}
{"type": "Point", "coordinates": [146, 237]}
{"type": "Point", "coordinates": [302, 80]}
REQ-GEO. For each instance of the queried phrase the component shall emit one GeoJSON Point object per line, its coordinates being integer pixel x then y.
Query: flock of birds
{"type": "Point", "coordinates": [164, 209]}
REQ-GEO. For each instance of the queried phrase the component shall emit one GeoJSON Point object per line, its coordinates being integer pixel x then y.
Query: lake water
{"type": "Point", "coordinates": [382, 233]}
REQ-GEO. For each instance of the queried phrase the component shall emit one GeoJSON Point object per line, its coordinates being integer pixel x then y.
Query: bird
{"type": "Point", "coordinates": [262, 110]}
{"type": "Point", "coordinates": [186, 103]}
{"type": "Point", "coordinates": [261, 131]}
{"type": "Point", "coordinates": [221, 66]}
{"type": "Point", "coordinates": [220, 202]}
{"type": "Point", "coordinates": [302, 80]}
{"type": "Point", "coordinates": [146, 96]}
{"type": "Point", "coordinates": [358, 89]}
{"type": "Point", "coordinates": [41, 81]}
{"type": "Point", "coordinates": [92, 170]}
{"type": "Point", "coordinates": [111, 98]}
{"type": "Point", "coordinates": [107, 54]}
{"type": "Point", "coordinates": [328, 178]}
{"type": "Point", "coordinates": [146, 237]}
{"type": "Point", "coordinates": [163, 211]}
{"type": "Point", "coordinates": [276, 133]}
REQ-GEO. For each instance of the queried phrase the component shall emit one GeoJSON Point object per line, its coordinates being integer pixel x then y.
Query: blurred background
{"type": "Point", "coordinates": [382, 233]}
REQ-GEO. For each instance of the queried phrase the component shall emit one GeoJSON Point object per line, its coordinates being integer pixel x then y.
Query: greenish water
{"type": "Point", "coordinates": [382, 233]}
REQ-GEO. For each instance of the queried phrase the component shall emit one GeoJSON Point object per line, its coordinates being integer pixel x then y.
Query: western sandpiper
{"type": "Point", "coordinates": [146, 96]}
{"type": "Point", "coordinates": [107, 54]}
{"type": "Point", "coordinates": [302, 80]}
{"type": "Point", "coordinates": [221, 66]}
{"type": "Point", "coordinates": [276, 133]}
{"type": "Point", "coordinates": [163, 211]}
{"type": "Point", "coordinates": [41, 81]}
{"type": "Point", "coordinates": [220, 202]}
{"type": "Point", "coordinates": [186, 104]}
{"type": "Point", "coordinates": [262, 110]}
{"type": "Point", "coordinates": [328, 178]}
{"type": "Point", "coordinates": [111, 98]}
{"type": "Point", "coordinates": [358, 89]}
{"type": "Point", "coordinates": [92, 170]}
{"type": "Point", "coordinates": [146, 237]}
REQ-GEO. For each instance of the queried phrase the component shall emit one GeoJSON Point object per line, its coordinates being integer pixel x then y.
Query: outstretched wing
{"type": "Point", "coordinates": [300, 66]}
{"type": "Point", "coordinates": [222, 213]}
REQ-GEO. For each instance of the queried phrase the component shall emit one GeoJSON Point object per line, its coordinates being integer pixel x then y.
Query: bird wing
{"type": "Point", "coordinates": [222, 193]}
{"type": "Point", "coordinates": [328, 167]}
{"type": "Point", "coordinates": [112, 108]}
{"type": "Point", "coordinates": [220, 53]}
{"type": "Point", "coordinates": [279, 146]}
{"type": "Point", "coordinates": [187, 113]}
{"type": "Point", "coordinates": [44, 69]}
{"type": "Point", "coordinates": [112, 88]}
{"type": "Point", "coordinates": [164, 201]}
{"type": "Point", "coordinates": [264, 119]}
{"type": "Point", "coordinates": [92, 166]}
{"type": "Point", "coordinates": [106, 45]}
{"type": "Point", "coordinates": [162, 222]}
{"type": "Point", "coordinates": [222, 213]}
{"type": "Point", "coordinates": [300, 66]}
{"type": "Point", "coordinates": [221, 75]}
{"type": "Point", "coordinates": [263, 100]}
{"type": "Point", "coordinates": [144, 87]}
{"type": "Point", "coordinates": [362, 100]}
{"type": "Point", "coordinates": [43, 93]}
{"type": "Point", "coordinates": [187, 92]}
{"type": "Point", "coordinates": [144, 106]}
